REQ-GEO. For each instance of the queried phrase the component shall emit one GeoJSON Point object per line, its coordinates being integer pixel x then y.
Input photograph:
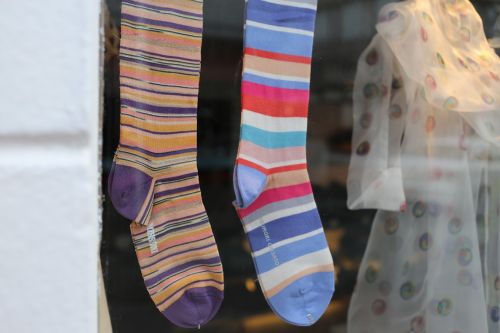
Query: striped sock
{"type": "Point", "coordinates": [273, 194]}
{"type": "Point", "coordinates": [154, 178]}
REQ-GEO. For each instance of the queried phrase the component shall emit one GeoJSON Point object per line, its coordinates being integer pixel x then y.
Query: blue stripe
{"type": "Point", "coordinates": [284, 228]}
{"type": "Point", "coordinates": [266, 262]}
{"type": "Point", "coordinates": [279, 42]}
{"type": "Point", "coordinates": [272, 139]}
{"type": "Point", "coordinates": [279, 15]}
{"type": "Point", "coordinates": [275, 83]}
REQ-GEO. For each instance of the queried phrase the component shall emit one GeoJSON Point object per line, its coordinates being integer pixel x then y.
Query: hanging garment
{"type": "Point", "coordinates": [426, 155]}
{"type": "Point", "coordinates": [154, 177]}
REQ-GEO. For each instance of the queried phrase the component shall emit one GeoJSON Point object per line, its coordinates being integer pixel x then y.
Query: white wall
{"type": "Point", "coordinates": [49, 104]}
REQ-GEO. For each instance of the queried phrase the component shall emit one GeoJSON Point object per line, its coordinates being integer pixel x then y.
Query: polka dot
{"type": "Point", "coordinates": [395, 111]}
{"type": "Point", "coordinates": [437, 173]}
{"type": "Point", "coordinates": [385, 288]}
{"type": "Point", "coordinates": [444, 307]}
{"type": "Point", "coordinates": [366, 120]}
{"type": "Point", "coordinates": [434, 209]}
{"type": "Point", "coordinates": [372, 57]}
{"type": "Point", "coordinates": [397, 83]}
{"type": "Point", "coordinates": [440, 60]}
{"type": "Point", "coordinates": [378, 307]}
{"type": "Point", "coordinates": [419, 209]}
{"type": "Point", "coordinates": [407, 291]}
{"type": "Point", "coordinates": [371, 274]}
{"type": "Point", "coordinates": [418, 324]}
{"type": "Point", "coordinates": [427, 17]}
{"type": "Point", "coordinates": [464, 256]}
{"type": "Point", "coordinates": [391, 225]}
{"type": "Point", "coordinates": [495, 314]}
{"type": "Point", "coordinates": [430, 82]}
{"type": "Point", "coordinates": [465, 34]}
{"type": "Point", "coordinates": [363, 148]}
{"type": "Point", "coordinates": [472, 64]}
{"type": "Point", "coordinates": [450, 103]}
{"type": "Point", "coordinates": [430, 124]}
{"type": "Point", "coordinates": [425, 242]}
{"type": "Point", "coordinates": [455, 226]}
{"type": "Point", "coordinates": [462, 63]}
{"type": "Point", "coordinates": [465, 277]}
{"type": "Point", "coordinates": [486, 79]}
{"type": "Point", "coordinates": [494, 76]}
{"type": "Point", "coordinates": [392, 15]}
{"type": "Point", "coordinates": [488, 99]}
{"type": "Point", "coordinates": [370, 90]}
{"type": "Point", "coordinates": [423, 34]}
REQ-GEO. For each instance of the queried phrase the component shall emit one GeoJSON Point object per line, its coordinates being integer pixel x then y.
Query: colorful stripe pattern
{"type": "Point", "coordinates": [154, 180]}
{"type": "Point", "coordinates": [273, 194]}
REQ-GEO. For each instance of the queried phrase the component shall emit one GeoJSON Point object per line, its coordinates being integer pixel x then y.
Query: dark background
{"type": "Point", "coordinates": [343, 30]}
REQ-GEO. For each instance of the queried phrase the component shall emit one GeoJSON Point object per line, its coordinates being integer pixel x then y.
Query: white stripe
{"type": "Point", "coordinates": [279, 274]}
{"type": "Point", "coordinates": [279, 214]}
{"type": "Point", "coordinates": [280, 29]}
{"type": "Point", "coordinates": [274, 124]}
{"type": "Point", "coordinates": [276, 76]}
{"type": "Point", "coordinates": [271, 165]}
{"type": "Point", "coordinates": [292, 4]}
{"type": "Point", "coordinates": [287, 241]}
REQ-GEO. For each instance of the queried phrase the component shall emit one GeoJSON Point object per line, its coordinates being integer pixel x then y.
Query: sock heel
{"type": "Point", "coordinates": [131, 192]}
{"type": "Point", "coordinates": [248, 183]}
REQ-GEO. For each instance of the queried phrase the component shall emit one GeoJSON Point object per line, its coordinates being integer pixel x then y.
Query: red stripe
{"type": "Point", "coordinates": [275, 195]}
{"type": "Point", "coordinates": [287, 168]}
{"type": "Point", "coordinates": [271, 171]}
{"type": "Point", "coordinates": [277, 56]}
{"type": "Point", "coordinates": [242, 161]}
{"type": "Point", "coordinates": [271, 107]}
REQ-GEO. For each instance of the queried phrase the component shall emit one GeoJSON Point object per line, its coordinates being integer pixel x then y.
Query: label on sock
{"type": "Point", "coordinates": [153, 245]}
{"type": "Point", "coordinates": [273, 194]}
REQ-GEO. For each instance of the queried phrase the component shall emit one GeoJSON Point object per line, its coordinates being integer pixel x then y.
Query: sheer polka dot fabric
{"type": "Point", "coordinates": [426, 155]}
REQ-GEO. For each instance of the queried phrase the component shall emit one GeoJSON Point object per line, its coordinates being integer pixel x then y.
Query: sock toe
{"type": "Point", "coordinates": [195, 308]}
{"type": "Point", "coordinates": [304, 301]}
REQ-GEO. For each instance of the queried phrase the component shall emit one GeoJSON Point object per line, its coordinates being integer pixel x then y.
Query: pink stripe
{"type": "Point", "coordinates": [276, 194]}
{"type": "Point", "coordinates": [254, 89]}
{"type": "Point", "coordinates": [272, 155]}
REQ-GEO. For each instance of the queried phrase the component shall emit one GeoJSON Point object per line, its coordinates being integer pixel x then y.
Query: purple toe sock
{"type": "Point", "coordinates": [195, 308]}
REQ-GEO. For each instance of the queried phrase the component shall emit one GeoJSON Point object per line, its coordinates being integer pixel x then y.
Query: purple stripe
{"type": "Point", "coordinates": [158, 92]}
{"type": "Point", "coordinates": [153, 64]}
{"type": "Point", "coordinates": [137, 19]}
{"type": "Point", "coordinates": [161, 133]}
{"type": "Point", "coordinates": [162, 8]}
{"type": "Point", "coordinates": [179, 227]}
{"type": "Point", "coordinates": [168, 153]}
{"type": "Point", "coordinates": [181, 177]}
{"type": "Point", "coordinates": [177, 190]}
{"type": "Point", "coordinates": [156, 279]}
{"type": "Point", "coordinates": [163, 56]}
{"type": "Point", "coordinates": [158, 109]}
